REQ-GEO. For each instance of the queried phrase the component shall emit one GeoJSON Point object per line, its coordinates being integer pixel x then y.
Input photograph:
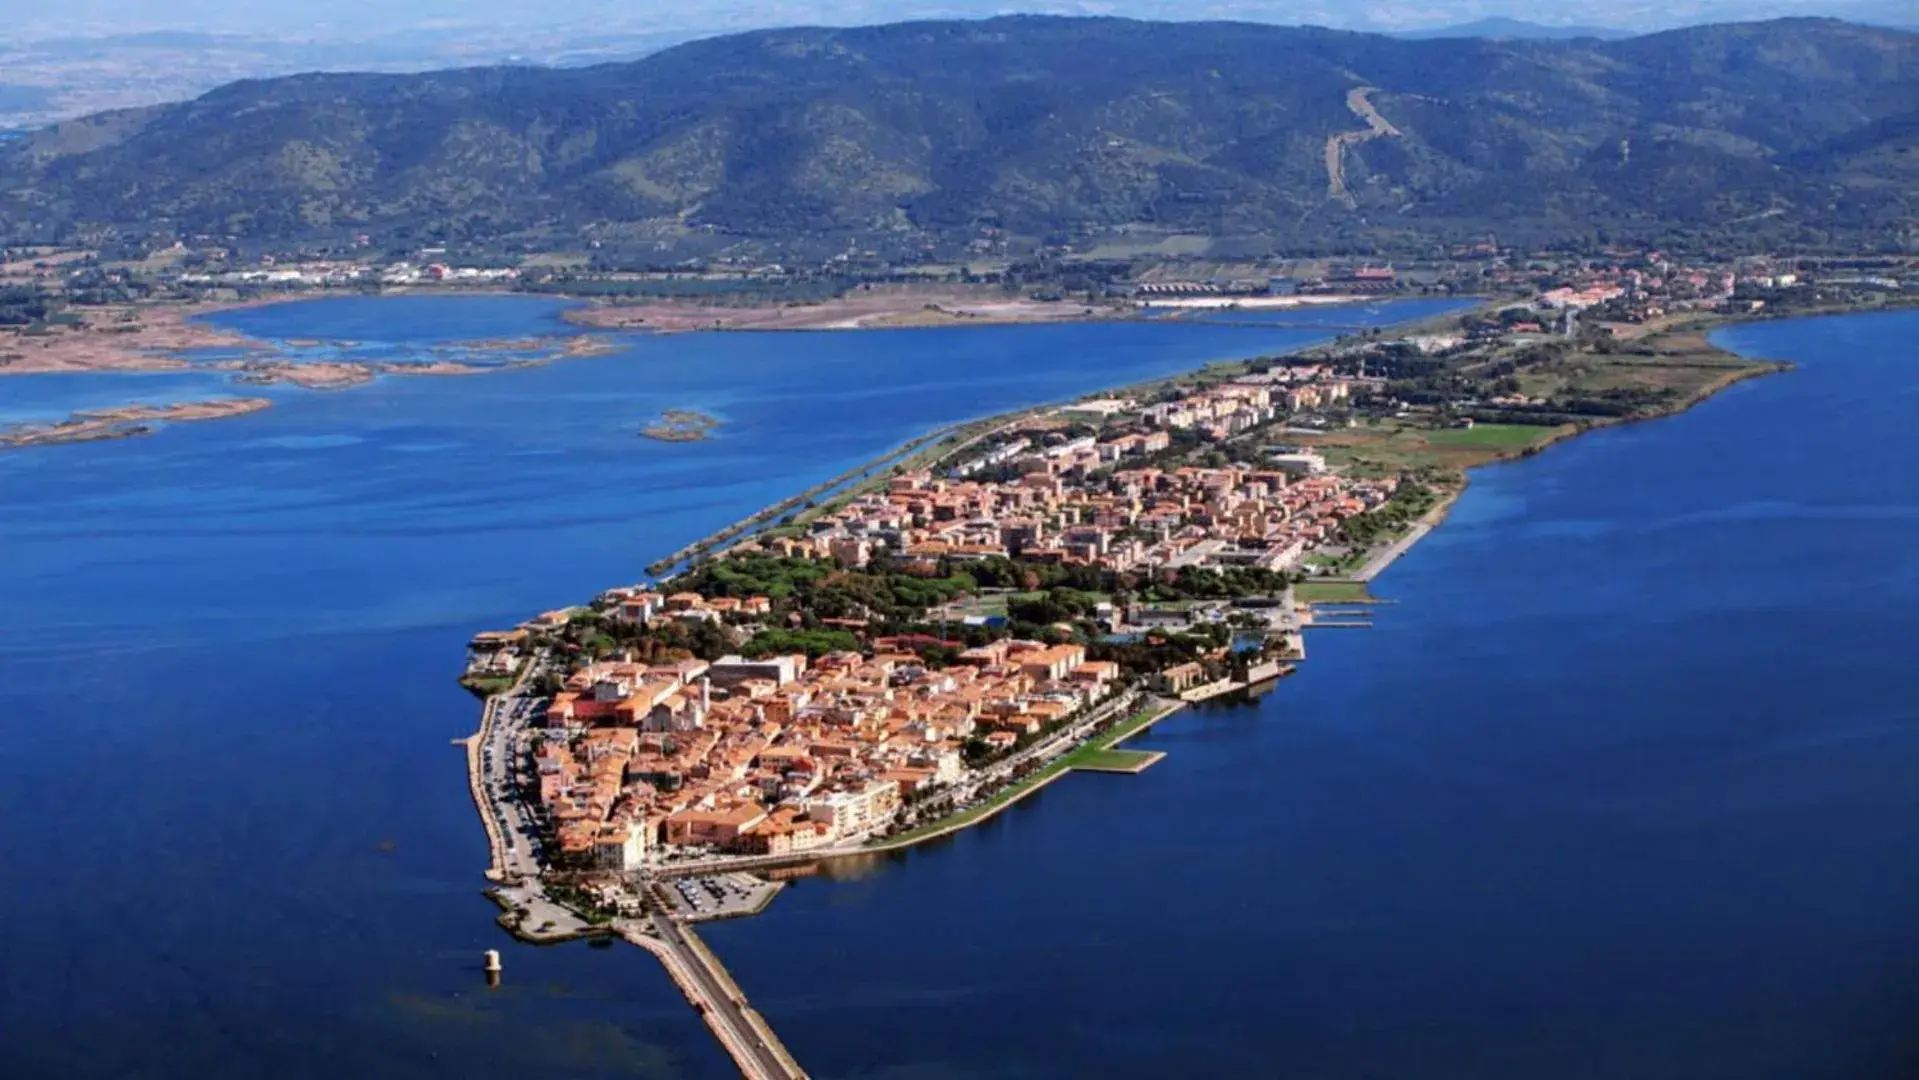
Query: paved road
{"type": "Point", "coordinates": [717, 996]}
{"type": "Point", "coordinates": [509, 718]}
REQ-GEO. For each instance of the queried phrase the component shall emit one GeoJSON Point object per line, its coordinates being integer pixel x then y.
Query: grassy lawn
{"type": "Point", "coordinates": [1390, 447]}
{"type": "Point", "coordinates": [1128, 761]}
{"type": "Point", "coordinates": [1123, 730]}
{"type": "Point", "coordinates": [1492, 436]}
{"type": "Point", "coordinates": [1330, 592]}
{"type": "Point", "coordinates": [485, 686]}
{"type": "Point", "coordinates": [1338, 565]}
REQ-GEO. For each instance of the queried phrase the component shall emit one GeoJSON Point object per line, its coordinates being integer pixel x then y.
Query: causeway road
{"type": "Point", "coordinates": [747, 1038]}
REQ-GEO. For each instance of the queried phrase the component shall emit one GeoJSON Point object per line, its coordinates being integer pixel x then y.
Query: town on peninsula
{"type": "Point", "coordinates": [908, 648]}
{"type": "Point", "coordinates": [915, 645]}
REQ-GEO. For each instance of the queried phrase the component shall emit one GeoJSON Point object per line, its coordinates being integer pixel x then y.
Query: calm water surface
{"type": "Point", "coordinates": [236, 840]}
{"type": "Point", "coordinates": [1622, 787]}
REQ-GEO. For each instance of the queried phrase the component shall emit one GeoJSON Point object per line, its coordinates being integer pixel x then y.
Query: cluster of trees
{"type": "Point", "coordinates": [1159, 651]}
{"type": "Point", "coordinates": [1061, 604]}
{"type": "Point", "coordinates": [94, 285]}
{"type": "Point", "coordinates": [1407, 504]}
{"type": "Point", "coordinates": [816, 642]}
{"type": "Point", "coordinates": [1616, 402]}
{"type": "Point", "coordinates": [752, 575]}
{"type": "Point", "coordinates": [24, 305]}
{"type": "Point", "coordinates": [1195, 583]}
{"type": "Point", "coordinates": [887, 598]}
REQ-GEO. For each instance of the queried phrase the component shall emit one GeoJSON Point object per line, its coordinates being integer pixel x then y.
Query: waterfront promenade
{"type": "Point", "coordinates": [1388, 555]}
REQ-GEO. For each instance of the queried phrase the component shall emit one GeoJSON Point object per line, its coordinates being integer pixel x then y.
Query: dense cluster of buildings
{"type": "Point", "coordinates": [782, 754]}
{"type": "Point", "coordinates": [1642, 286]}
{"type": "Point", "coordinates": [779, 755]}
{"type": "Point", "coordinates": [333, 274]}
{"type": "Point", "coordinates": [1096, 500]}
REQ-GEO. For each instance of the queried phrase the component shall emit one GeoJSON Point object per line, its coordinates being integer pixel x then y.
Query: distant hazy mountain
{"type": "Point", "coordinates": [920, 136]}
{"type": "Point", "coordinates": [1518, 30]}
{"type": "Point", "coordinates": [55, 79]}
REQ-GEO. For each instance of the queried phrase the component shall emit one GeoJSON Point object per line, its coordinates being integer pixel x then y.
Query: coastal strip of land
{"type": "Point", "coordinates": [1090, 755]}
{"type": "Point", "coordinates": [124, 422]}
{"type": "Point", "coordinates": [894, 309]}
{"type": "Point", "coordinates": [652, 742]}
{"type": "Point", "coordinates": [913, 309]}
{"type": "Point", "coordinates": [1385, 557]}
{"type": "Point", "coordinates": [124, 337]}
{"type": "Point", "coordinates": [163, 335]}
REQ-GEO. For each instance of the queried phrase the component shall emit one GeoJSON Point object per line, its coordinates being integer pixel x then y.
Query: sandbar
{"type": "Point", "coordinates": [125, 421]}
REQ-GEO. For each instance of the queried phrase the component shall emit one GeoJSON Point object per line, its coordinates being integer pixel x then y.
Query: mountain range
{"type": "Point", "coordinates": [925, 137]}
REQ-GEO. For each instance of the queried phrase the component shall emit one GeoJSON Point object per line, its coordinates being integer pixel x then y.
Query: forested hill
{"type": "Point", "coordinates": [926, 135]}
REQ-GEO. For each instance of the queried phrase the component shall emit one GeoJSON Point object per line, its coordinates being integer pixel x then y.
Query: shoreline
{"type": "Point", "coordinates": [124, 422]}
{"type": "Point", "coordinates": [982, 427]}
{"type": "Point", "coordinates": [1380, 561]}
{"type": "Point", "coordinates": [1079, 742]}
{"type": "Point", "coordinates": [933, 310]}
{"type": "Point", "coordinates": [149, 337]}
{"type": "Point", "coordinates": [1431, 520]}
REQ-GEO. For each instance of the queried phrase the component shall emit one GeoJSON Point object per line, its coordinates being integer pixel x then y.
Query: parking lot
{"type": "Point", "coordinates": [719, 896]}
{"type": "Point", "coordinates": [503, 766]}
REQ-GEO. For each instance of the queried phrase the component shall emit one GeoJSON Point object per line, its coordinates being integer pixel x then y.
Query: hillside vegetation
{"type": "Point", "coordinates": [914, 137]}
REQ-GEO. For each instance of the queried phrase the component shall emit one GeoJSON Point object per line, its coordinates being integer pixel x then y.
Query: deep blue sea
{"type": "Point", "coordinates": [1622, 786]}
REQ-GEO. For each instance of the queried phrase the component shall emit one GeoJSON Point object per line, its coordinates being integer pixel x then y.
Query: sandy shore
{"type": "Point", "coordinates": [125, 421]}
{"type": "Point", "coordinates": [859, 311]}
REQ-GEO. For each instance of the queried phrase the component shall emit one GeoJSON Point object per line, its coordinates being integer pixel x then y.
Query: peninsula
{"type": "Point", "coordinates": [1010, 600]}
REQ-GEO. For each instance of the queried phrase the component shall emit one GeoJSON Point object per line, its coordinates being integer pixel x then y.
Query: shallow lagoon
{"type": "Point", "coordinates": [230, 649]}
{"type": "Point", "coordinates": [1621, 787]}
